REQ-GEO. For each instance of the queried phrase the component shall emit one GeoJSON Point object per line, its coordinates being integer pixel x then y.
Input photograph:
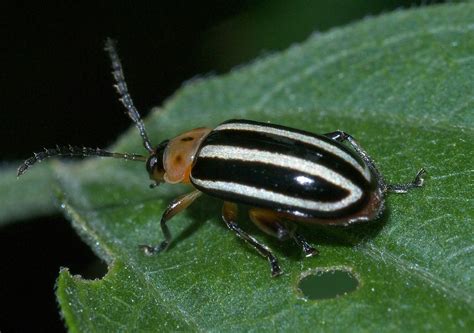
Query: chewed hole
{"type": "Point", "coordinates": [327, 283]}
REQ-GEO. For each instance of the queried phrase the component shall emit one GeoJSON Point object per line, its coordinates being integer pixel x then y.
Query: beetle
{"type": "Point", "coordinates": [286, 175]}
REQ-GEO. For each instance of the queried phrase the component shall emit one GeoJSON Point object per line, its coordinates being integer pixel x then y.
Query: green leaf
{"type": "Point", "coordinates": [25, 198]}
{"type": "Point", "coordinates": [402, 85]}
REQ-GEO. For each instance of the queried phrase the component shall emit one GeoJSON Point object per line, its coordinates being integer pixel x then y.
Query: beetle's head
{"type": "Point", "coordinates": [155, 165]}
{"type": "Point", "coordinates": [172, 160]}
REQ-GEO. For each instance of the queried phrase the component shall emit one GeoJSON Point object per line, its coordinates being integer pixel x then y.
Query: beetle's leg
{"type": "Point", "coordinates": [273, 224]}
{"type": "Point", "coordinates": [176, 206]}
{"type": "Point", "coordinates": [270, 222]}
{"type": "Point", "coordinates": [404, 188]}
{"type": "Point", "coordinates": [308, 250]}
{"type": "Point", "coordinates": [229, 215]}
{"type": "Point", "coordinates": [397, 188]}
{"type": "Point", "coordinates": [343, 136]}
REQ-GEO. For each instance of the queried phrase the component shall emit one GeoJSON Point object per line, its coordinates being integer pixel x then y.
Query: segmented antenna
{"type": "Point", "coordinates": [125, 97]}
{"type": "Point", "coordinates": [73, 151]}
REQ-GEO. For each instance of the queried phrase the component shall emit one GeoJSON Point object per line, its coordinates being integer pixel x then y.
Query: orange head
{"type": "Point", "coordinates": [172, 160]}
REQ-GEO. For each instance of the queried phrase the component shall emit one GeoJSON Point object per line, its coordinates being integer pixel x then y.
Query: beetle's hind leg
{"type": "Point", "coordinates": [229, 215]}
{"type": "Point", "coordinates": [396, 188]}
{"type": "Point", "coordinates": [404, 188]}
{"type": "Point", "coordinates": [273, 224]}
{"type": "Point", "coordinates": [176, 206]}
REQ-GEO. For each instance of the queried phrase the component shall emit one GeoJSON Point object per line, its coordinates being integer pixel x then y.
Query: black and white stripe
{"type": "Point", "coordinates": [282, 169]}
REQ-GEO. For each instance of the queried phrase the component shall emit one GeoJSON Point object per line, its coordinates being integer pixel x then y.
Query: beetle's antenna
{"type": "Point", "coordinates": [73, 151]}
{"type": "Point", "coordinates": [125, 97]}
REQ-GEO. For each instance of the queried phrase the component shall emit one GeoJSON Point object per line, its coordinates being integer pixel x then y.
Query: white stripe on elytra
{"type": "Point", "coordinates": [298, 137]}
{"type": "Point", "coordinates": [280, 160]}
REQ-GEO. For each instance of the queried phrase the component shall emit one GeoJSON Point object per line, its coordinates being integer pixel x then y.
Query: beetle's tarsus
{"type": "Point", "coordinates": [419, 180]}
{"type": "Point", "coordinates": [151, 250]}
{"type": "Point", "coordinates": [404, 188]}
{"type": "Point", "coordinates": [148, 250]}
{"type": "Point", "coordinates": [308, 250]}
{"type": "Point", "coordinates": [276, 270]}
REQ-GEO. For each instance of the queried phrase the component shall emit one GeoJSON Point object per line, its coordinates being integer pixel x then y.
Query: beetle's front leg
{"type": "Point", "coordinates": [176, 206]}
{"type": "Point", "coordinates": [229, 215]}
{"type": "Point", "coordinates": [396, 188]}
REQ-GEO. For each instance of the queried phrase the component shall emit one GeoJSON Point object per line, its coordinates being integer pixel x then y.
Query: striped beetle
{"type": "Point", "coordinates": [286, 175]}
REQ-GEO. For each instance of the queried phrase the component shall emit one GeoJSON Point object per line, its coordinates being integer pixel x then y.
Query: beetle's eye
{"type": "Point", "coordinates": [154, 164]}
{"type": "Point", "coordinates": [151, 163]}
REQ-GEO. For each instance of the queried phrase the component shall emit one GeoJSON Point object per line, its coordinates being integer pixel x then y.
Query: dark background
{"type": "Point", "coordinates": [57, 88]}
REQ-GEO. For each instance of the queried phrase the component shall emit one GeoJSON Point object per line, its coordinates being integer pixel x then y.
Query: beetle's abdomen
{"type": "Point", "coordinates": [282, 169]}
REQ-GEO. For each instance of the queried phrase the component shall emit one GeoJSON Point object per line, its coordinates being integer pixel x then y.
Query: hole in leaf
{"type": "Point", "coordinates": [327, 283]}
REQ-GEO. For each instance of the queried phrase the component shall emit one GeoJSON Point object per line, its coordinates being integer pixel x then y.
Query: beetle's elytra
{"type": "Point", "coordinates": [286, 175]}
